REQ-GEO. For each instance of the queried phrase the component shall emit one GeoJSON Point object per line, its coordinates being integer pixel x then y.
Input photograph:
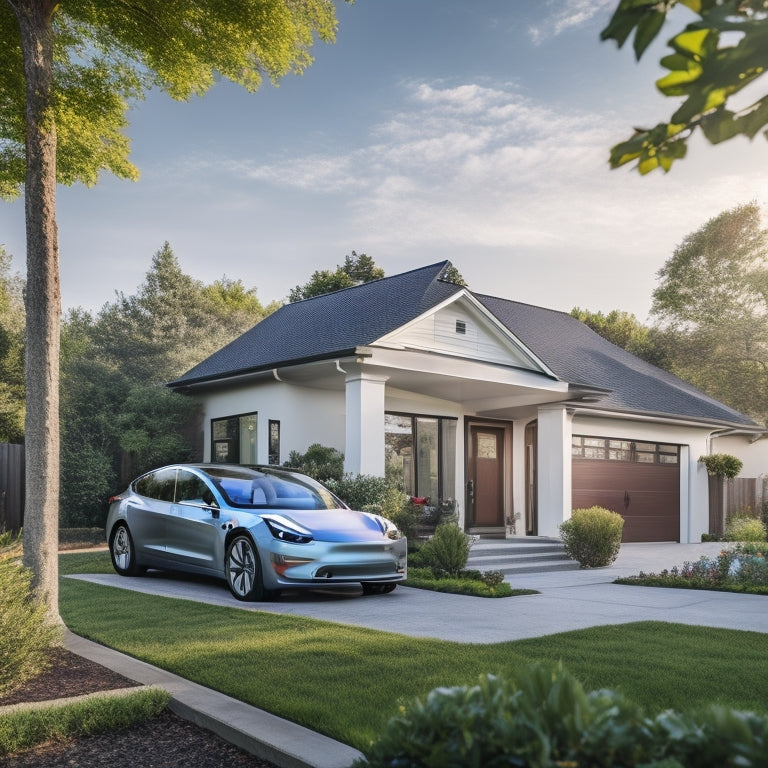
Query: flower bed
{"type": "Point", "coordinates": [743, 568]}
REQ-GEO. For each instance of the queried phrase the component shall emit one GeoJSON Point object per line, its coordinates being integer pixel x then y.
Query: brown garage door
{"type": "Point", "coordinates": [639, 480]}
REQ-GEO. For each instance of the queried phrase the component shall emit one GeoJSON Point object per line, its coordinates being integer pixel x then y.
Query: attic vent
{"type": "Point", "coordinates": [461, 327]}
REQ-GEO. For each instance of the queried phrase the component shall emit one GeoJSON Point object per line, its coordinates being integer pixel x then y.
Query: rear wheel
{"type": "Point", "coordinates": [122, 551]}
{"type": "Point", "coordinates": [372, 588]}
{"type": "Point", "coordinates": [243, 569]}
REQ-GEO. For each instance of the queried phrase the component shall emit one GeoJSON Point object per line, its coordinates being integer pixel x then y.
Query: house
{"type": "Point", "coordinates": [518, 414]}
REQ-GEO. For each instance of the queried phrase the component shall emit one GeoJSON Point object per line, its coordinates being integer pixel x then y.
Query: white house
{"type": "Point", "coordinates": [518, 413]}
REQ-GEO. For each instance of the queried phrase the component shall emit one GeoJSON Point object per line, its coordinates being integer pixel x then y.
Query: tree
{"type": "Point", "coordinates": [716, 56]}
{"type": "Point", "coordinates": [69, 71]}
{"type": "Point", "coordinates": [117, 418]}
{"type": "Point", "coordinates": [354, 271]}
{"type": "Point", "coordinates": [712, 305]}
{"type": "Point", "coordinates": [624, 330]}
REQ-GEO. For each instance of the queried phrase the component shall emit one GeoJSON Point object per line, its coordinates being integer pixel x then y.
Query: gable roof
{"type": "Point", "coordinates": [336, 324]}
{"type": "Point", "coordinates": [578, 355]}
{"type": "Point", "coordinates": [327, 326]}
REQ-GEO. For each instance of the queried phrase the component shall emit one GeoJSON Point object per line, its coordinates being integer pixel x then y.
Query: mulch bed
{"type": "Point", "coordinates": [166, 741]}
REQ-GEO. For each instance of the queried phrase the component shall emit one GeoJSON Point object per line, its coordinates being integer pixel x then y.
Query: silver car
{"type": "Point", "coordinates": [262, 529]}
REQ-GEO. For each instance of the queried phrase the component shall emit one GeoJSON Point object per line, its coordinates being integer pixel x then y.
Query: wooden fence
{"type": "Point", "coordinates": [11, 486]}
{"type": "Point", "coordinates": [727, 496]}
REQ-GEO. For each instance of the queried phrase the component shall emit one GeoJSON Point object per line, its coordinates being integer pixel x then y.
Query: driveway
{"type": "Point", "coordinates": [568, 600]}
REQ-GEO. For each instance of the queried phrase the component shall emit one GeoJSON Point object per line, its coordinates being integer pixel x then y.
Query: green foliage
{"type": "Point", "coordinates": [711, 305]}
{"type": "Point", "coordinates": [355, 270]}
{"type": "Point", "coordinates": [744, 528]}
{"type": "Point", "coordinates": [447, 551]}
{"type": "Point", "coordinates": [25, 729]}
{"type": "Point", "coordinates": [543, 718]}
{"type": "Point", "coordinates": [624, 330]}
{"type": "Point", "coordinates": [359, 491]}
{"type": "Point", "coordinates": [108, 55]}
{"type": "Point", "coordinates": [722, 464]}
{"type": "Point", "coordinates": [714, 57]}
{"type": "Point", "coordinates": [424, 578]}
{"type": "Point", "coordinates": [592, 536]}
{"type": "Point", "coordinates": [321, 462]}
{"type": "Point", "coordinates": [25, 635]}
{"type": "Point", "coordinates": [11, 353]}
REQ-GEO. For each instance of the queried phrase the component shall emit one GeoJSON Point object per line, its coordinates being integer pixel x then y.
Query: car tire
{"type": "Point", "coordinates": [372, 588]}
{"type": "Point", "coordinates": [243, 570]}
{"type": "Point", "coordinates": [122, 551]}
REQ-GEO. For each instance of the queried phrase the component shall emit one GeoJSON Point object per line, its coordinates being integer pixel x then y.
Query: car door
{"type": "Point", "coordinates": [148, 512]}
{"type": "Point", "coordinates": [194, 537]}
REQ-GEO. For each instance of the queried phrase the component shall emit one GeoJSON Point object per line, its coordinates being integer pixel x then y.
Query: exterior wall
{"type": "Point", "coordinates": [754, 455]}
{"type": "Point", "coordinates": [694, 491]}
{"type": "Point", "coordinates": [306, 415]}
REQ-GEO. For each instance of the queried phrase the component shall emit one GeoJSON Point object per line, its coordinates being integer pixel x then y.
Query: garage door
{"type": "Point", "coordinates": [639, 480]}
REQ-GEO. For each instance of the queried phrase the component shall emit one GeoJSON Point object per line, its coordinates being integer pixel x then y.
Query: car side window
{"type": "Point", "coordinates": [157, 485]}
{"type": "Point", "coordinates": [190, 488]}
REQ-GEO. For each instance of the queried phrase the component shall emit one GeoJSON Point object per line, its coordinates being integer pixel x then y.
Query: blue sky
{"type": "Point", "coordinates": [471, 130]}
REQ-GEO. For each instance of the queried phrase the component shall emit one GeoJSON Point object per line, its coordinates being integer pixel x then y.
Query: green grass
{"type": "Point", "coordinates": [22, 729]}
{"type": "Point", "coordinates": [347, 682]}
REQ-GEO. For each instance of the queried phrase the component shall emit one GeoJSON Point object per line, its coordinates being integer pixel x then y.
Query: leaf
{"type": "Point", "coordinates": [647, 30]}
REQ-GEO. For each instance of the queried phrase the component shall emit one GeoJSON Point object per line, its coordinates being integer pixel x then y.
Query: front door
{"type": "Point", "coordinates": [485, 472]}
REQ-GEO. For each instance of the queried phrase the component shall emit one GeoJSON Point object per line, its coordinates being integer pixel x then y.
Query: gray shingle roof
{"type": "Point", "coordinates": [329, 325]}
{"type": "Point", "coordinates": [578, 355]}
{"type": "Point", "coordinates": [335, 324]}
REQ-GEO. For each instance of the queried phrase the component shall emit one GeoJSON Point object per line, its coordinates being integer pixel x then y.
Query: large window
{"type": "Point", "coordinates": [421, 454]}
{"type": "Point", "coordinates": [233, 440]}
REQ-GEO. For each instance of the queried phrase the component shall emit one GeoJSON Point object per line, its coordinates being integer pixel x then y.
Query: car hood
{"type": "Point", "coordinates": [336, 525]}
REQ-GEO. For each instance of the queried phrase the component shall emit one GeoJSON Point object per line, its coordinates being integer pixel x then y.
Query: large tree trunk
{"type": "Point", "coordinates": [43, 305]}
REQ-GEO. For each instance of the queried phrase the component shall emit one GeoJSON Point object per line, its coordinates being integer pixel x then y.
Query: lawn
{"type": "Point", "coordinates": [347, 682]}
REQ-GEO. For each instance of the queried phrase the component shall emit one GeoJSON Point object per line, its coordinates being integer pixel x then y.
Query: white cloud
{"type": "Point", "coordinates": [568, 14]}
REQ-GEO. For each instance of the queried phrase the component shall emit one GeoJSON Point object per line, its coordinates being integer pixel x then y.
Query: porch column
{"type": "Point", "coordinates": [364, 449]}
{"type": "Point", "coordinates": [554, 468]}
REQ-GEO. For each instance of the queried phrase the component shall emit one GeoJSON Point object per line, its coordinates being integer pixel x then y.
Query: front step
{"type": "Point", "coordinates": [519, 555]}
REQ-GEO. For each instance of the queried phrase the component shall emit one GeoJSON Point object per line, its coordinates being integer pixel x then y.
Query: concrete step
{"type": "Point", "coordinates": [519, 555]}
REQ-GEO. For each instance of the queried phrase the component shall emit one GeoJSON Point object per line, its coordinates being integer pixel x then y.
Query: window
{"type": "Point", "coordinates": [421, 454]}
{"type": "Point", "coordinates": [233, 440]}
{"type": "Point", "coordinates": [274, 442]}
{"type": "Point", "coordinates": [609, 449]}
{"type": "Point", "coordinates": [461, 327]}
{"type": "Point", "coordinates": [160, 485]}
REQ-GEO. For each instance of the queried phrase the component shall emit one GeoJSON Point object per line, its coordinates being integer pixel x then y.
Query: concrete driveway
{"type": "Point", "coordinates": [568, 600]}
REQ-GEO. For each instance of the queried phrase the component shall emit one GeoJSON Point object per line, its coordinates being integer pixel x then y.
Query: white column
{"type": "Point", "coordinates": [554, 468]}
{"type": "Point", "coordinates": [364, 448]}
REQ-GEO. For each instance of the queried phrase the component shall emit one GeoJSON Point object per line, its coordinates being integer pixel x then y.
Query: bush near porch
{"type": "Point", "coordinates": [592, 536]}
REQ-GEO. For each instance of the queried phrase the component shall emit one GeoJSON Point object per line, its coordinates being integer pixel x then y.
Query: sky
{"type": "Point", "coordinates": [471, 130]}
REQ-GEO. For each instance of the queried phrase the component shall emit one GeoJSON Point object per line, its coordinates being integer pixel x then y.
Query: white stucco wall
{"type": "Point", "coordinates": [753, 454]}
{"type": "Point", "coordinates": [306, 416]}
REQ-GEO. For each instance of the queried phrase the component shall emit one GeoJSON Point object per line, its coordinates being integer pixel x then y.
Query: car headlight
{"type": "Point", "coordinates": [286, 530]}
{"type": "Point", "coordinates": [388, 528]}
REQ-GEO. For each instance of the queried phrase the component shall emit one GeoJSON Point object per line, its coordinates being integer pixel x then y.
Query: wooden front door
{"type": "Point", "coordinates": [485, 471]}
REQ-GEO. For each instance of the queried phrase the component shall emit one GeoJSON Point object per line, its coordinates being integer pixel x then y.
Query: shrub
{"type": "Point", "coordinates": [592, 536]}
{"type": "Point", "coordinates": [358, 491]}
{"type": "Point", "coordinates": [402, 512]}
{"type": "Point", "coordinates": [544, 718]}
{"type": "Point", "coordinates": [744, 528]}
{"type": "Point", "coordinates": [722, 464]}
{"type": "Point", "coordinates": [447, 551]}
{"type": "Point", "coordinates": [493, 578]}
{"type": "Point", "coordinates": [25, 634]}
{"type": "Point", "coordinates": [320, 462]}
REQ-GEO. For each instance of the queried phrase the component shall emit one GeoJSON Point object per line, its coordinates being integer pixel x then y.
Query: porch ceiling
{"type": "Point", "coordinates": [481, 389]}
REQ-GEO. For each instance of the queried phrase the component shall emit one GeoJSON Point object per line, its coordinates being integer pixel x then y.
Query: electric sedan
{"type": "Point", "coordinates": [262, 529]}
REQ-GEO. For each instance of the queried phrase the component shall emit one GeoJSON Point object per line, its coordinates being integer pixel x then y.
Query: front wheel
{"type": "Point", "coordinates": [243, 570]}
{"type": "Point", "coordinates": [122, 551]}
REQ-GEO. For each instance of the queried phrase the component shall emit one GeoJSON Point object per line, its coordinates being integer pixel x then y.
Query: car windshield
{"type": "Point", "coordinates": [262, 489]}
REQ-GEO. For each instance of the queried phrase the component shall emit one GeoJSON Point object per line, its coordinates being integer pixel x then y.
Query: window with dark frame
{"type": "Point", "coordinates": [234, 439]}
{"type": "Point", "coordinates": [274, 442]}
{"type": "Point", "coordinates": [612, 449]}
